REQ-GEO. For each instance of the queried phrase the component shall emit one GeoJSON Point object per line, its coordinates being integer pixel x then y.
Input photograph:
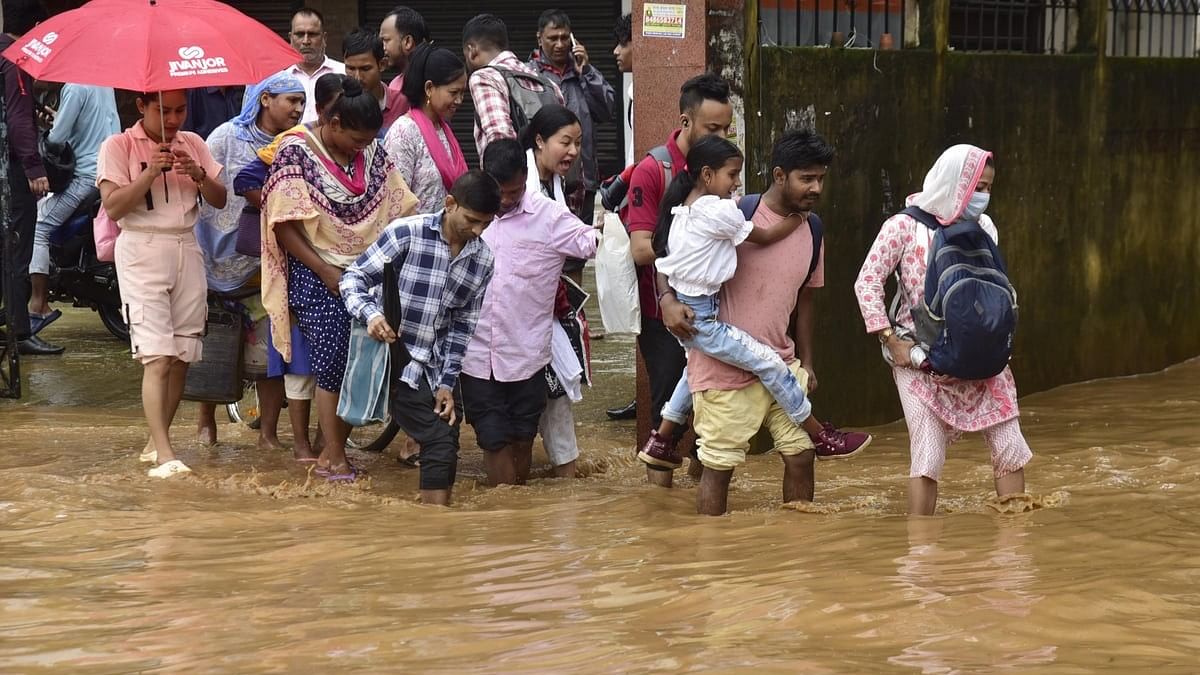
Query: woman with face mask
{"type": "Point", "coordinates": [938, 408]}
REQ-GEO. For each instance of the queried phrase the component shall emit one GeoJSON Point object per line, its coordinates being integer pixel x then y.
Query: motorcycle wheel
{"type": "Point", "coordinates": [111, 317]}
{"type": "Point", "coordinates": [373, 437]}
{"type": "Point", "coordinates": [246, 411]}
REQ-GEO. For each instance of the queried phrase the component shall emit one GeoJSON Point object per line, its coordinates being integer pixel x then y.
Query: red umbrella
{"type": "Point", "coordinates": [152, 45]}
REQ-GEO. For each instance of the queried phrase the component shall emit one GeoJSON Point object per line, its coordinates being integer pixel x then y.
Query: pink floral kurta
{"type": "Point", "coordinates": [963, 405]}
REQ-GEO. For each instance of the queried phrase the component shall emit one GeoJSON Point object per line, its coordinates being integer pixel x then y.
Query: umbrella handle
{"type": "Point", "coordinates": [162, 129]}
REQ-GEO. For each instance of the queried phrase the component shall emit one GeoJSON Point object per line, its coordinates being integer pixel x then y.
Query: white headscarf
{"type": "Point", "coordinates": [950, 183]}
{"type": "Point", "coordinates": [533, 183]}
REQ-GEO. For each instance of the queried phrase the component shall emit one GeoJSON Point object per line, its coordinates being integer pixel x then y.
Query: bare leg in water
{"type": "Point", "coordinates": [712, 499]}
{"type": "Point", "coordinates": [206, 423]}
{"type": "Point", "coordinates": [799, 479]}
{"type": "Point", "coordinates": [299, 411]}
{"type": "Point", "coordinates": [270, 405]}
{"type": "Point", "coordinates": [333, 454]}
{"type": "Point", "coordinates": [162, 390]}
{"type": "Point", "coordinates": [510, 465]}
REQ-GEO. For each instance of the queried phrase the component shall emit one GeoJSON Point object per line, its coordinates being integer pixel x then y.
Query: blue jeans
{"type": "Point", "coordinates": [730, 344]}
{"type": "Point", "coordinates": [56, 210]}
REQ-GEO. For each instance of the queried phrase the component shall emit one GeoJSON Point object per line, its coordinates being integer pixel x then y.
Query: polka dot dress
{"type": "Point", "coordinates": [323, 322]}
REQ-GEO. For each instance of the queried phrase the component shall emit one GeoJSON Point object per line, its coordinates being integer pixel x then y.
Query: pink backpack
{"type": "Point", "coordinates": [105, 232]}
{"type": "Point", "coordinates": [104, 229]}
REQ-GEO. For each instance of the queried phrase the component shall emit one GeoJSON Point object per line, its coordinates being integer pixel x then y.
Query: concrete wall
{"type": "Point", "coordinates": [1096, 198]}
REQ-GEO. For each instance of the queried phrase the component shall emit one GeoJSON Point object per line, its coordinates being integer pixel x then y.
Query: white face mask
{"type": "Point", "coordinates": [976, 206]}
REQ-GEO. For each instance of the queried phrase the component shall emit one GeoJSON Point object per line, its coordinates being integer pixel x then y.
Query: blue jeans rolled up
{"type": "Point", "coordinates": [730, 344]}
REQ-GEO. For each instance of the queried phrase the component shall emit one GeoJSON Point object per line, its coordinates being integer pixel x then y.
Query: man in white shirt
{"type": "Point", "coordinates": [308, 38]}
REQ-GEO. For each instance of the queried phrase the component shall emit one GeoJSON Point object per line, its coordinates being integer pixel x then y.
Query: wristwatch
{"type": "Point", "coordinates": [885, 335]}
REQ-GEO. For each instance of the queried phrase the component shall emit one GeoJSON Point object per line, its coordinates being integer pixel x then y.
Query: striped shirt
{"type": "Point", "coordinates": [440, 297]}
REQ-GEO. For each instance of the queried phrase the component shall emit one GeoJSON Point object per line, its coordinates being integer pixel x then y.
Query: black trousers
{"type": "Point", "coordinates": [23, 222]}
{"type": "Point", "coordinates": [665, 360]}
{"type": "Point", "coordinates": [412, 410]}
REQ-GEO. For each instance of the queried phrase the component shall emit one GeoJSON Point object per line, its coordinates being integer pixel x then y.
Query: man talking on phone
{"type": "Point", "coordinates": [565, 61]}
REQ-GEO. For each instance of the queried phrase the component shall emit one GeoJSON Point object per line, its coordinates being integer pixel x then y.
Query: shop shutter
{"type": "Point", "coordinates": [591, 22]}
{"type": "Point", "coordinates": [274, 14]}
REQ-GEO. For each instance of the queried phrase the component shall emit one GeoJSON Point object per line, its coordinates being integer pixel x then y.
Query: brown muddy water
{"type": "Point", "coordinates": [250, 567]}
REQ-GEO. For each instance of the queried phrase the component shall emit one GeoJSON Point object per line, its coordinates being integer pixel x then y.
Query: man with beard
{"type": "Point", "coordinates": [769, 285]}
{"type": "Point", "coordinates": [402, 31]}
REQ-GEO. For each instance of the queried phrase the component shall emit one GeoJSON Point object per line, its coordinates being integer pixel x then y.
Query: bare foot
{"type": "Point", "coordinates": [305, 454]}
{"type": "Point", "coordinates": [411, 449]}
{"type": "Point", "coordinates": [206, 435]}
{"type": "Point", "coordinates": [272, 443]}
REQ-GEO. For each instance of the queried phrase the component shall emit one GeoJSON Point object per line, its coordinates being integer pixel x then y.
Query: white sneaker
{"type": "Point", "coordinates": [150, 456]}
{"type": "Point", "coordinates": [171, 468]}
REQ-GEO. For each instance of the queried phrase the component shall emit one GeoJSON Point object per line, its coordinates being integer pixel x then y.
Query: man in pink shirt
{"type": "Point", "coordinates": [503, 375]}
{"type": "Point", "coordinates": [730, 405]}
{"type": "Point", "coordinates": [402, 31]}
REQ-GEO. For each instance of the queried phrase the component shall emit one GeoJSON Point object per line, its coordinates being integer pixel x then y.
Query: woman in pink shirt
{"type": "Point", "coordinates": [151, 179]}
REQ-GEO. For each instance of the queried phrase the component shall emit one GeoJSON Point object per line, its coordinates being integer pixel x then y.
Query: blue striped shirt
{"type": "Point", "coordinates": [440, 297]}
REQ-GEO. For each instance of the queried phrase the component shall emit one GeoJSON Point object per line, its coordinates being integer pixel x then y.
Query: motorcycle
{"type": "Point", "coordinates": [78, 277]}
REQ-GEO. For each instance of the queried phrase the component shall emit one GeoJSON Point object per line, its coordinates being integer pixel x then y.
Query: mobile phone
{"type": "Point", "coordinates": [573, 49]}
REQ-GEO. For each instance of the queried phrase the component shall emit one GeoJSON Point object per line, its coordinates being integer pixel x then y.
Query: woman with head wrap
{"type": "Point", "coordinates": [938, 408]}
{"type": "Point", "coordinates": [272, 107]}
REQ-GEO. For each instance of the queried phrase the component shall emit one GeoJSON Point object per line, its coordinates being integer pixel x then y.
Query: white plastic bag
{"type": "Point", "coordinates": [616, 280]}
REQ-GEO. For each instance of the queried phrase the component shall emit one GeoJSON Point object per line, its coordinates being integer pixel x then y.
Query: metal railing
{"type": "Point", "coordinates": [849, 23]}
{"type": "Point", "coordinates": [1153, 28]}
{"type": "Point", "coordinates": [1028, 26]}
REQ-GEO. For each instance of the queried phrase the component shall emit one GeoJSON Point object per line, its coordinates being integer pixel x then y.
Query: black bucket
{"type": "Point", "coordinates": [217, 376]}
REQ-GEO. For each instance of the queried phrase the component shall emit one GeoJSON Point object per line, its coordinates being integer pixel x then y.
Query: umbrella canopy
{"type": "Point", "coordinates": [152, 45]}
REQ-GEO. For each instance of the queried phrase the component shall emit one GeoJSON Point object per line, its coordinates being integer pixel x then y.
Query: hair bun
{"type": "Point", "coordinates": [351, 88]}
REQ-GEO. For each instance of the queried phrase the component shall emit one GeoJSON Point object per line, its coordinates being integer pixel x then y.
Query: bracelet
{"type": "Point", "coordinates": [664, 294]}
{"type": "Point", "coordinates": [203, 175]}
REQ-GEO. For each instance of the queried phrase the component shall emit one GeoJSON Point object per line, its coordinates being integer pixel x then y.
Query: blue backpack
{"type": "Point", "coordinates": [969, 314]}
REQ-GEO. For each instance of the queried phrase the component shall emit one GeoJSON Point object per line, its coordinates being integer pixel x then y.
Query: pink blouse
{"type": "Point", "coordinates": [966, 405]}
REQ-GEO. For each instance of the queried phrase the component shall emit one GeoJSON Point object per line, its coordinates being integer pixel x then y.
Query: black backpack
{"type": "Point", "coordinates": [524, 103]}
{"type": "Point", "coordinates": [614, 192]}
{"type": "Point", "coordinates": [749, 204]}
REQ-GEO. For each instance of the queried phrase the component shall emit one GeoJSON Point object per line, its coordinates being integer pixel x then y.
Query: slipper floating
{"type": "Point", "coordinates": [171, 468]}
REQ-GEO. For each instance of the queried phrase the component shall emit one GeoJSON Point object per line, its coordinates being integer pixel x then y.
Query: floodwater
{"type": "Point", "coordinates": [249, 566]}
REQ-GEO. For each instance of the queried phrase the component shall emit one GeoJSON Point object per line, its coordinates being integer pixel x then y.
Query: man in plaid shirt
{"type": "Point", "coordinates": [442, 269]}
{"type": "Point", "coordinates": [485, 48]}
